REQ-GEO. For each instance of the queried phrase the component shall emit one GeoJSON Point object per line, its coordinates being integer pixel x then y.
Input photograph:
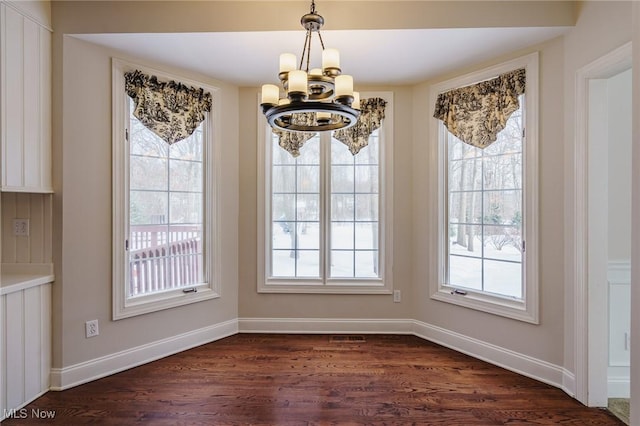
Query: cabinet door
{"type": "Point", "coordinates": [25, 103]}
{"type": "Point", "coordinates": [26, 338]}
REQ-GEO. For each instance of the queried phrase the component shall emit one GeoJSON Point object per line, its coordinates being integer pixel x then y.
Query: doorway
{"type": "Point", "coordinates": [602, 228]}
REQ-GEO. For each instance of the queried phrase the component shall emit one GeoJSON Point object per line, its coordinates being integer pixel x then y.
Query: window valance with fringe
{"type": "Point", "coordinates": [169, 109]}
{"type": "Point", "coordinates": [355, 137]}
{"type": "Point", "coordinates": [476, 114]}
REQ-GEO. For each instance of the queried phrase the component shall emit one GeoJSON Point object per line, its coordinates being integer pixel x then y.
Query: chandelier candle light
{"type": "Point", "coordinates": [315, 100]}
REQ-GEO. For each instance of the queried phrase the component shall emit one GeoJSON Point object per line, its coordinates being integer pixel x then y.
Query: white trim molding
{"type": "Point", "coordinates": [576, 219]}
{"type": "Point", "coordinates": [74, 375]}
{"type": "Point", "coordinates": [324, 326]}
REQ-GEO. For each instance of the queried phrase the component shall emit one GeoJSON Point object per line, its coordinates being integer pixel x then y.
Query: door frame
{"type": "Point", "coordinates": [587, 358]}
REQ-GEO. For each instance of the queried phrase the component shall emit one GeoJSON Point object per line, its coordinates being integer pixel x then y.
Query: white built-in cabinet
{"type": "Point", "coordinates": [25, 338]}
{"type": "Point", "coordinates": [25, 102]}
{"type": "Point", "coordinates": [26, 271]}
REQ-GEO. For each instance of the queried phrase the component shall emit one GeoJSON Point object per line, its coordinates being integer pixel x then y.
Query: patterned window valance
{"type": "Point", "coordinates": [169, 109]}
{"type": "Point", "coordinates": [293, 141]}
{"type": "Point", "coordinates": [371, 116]}
{"type": "Point", "coordinates": [476, 114]}
{"type": "Point", "coordinates": [356, 137]}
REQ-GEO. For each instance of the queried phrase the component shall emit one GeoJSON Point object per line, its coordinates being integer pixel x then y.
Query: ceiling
{"type": "Point", "coordinates": [373, 57]}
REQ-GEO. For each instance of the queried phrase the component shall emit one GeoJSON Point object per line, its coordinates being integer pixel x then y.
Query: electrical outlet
{"type": "Point", "coordinates": [91, 328]}
{"type": "Point", "coordinates": [21, 227]}
{"type": "Point", "coordinates": [397, 297]}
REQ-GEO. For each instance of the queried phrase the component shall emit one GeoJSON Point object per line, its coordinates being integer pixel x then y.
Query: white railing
{"type": "Point", "coordinates": [160, 260]}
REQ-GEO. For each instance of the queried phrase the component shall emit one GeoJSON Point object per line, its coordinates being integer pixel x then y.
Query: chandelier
{"type": "Point", "coordinates": [315, 100]}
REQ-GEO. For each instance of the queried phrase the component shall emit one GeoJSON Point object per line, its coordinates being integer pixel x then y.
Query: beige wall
{"type": "Point", "coordinates": [195, 16]}
{"type": "Point", "coordinates": [83, 217]}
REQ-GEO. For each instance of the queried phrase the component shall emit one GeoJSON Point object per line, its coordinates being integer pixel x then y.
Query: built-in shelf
{"type": "Point", "coordinates": [21, 276]}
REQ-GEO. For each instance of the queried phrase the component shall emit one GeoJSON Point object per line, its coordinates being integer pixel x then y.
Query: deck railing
{"type": "Point", "coordinates": [163, 258]}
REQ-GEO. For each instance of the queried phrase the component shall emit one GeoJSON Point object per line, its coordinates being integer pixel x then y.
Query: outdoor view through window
{"type": "Point", "coordinates": [332, 236]}
{"type": "Point", "coordinates": [485, 220]}
{"type": "Point", "coordinates": [165, 211]}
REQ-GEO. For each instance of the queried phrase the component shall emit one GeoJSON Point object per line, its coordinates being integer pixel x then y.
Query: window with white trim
{"type": "Point", "coordinates": [163, 201]}
{"type": "Point", "coordinates": [323, 216]}
{"type": "Point", "coordinates": [487, 209]}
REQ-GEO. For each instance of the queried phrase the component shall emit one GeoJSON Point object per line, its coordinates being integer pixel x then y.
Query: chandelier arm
{"type": "Point", "coordinates": [306, 49]}
{"type": "Point", "coordinates": [309, 50]}
{"type": "Point", "coordinates": [321, 41]}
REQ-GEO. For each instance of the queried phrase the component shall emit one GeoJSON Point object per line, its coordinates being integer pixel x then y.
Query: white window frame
{"type": "Point", "coordinates": [124, 306]}
{"type": "Point", "coordinates": [382, 285]}
{"type": "Point", "coordinates": [525, 309]}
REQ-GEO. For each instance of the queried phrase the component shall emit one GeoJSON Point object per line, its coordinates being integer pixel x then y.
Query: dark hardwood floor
{"type": "Point", "coordinates": [258, 379]}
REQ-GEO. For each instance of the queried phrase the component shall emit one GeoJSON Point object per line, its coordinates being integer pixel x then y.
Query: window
{"type": "Point", "coordinates": [487, 209]}
{"type": "Point", "coordinates": [322, 215]}
{"type": "Point", "coordinates": [164, 200]}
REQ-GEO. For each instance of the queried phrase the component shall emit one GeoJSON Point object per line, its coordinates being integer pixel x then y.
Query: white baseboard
{"type": "Point", "coordinates": [67, 377]}
{"type": "Point", "coordinates": [569, 383]}
{"type": "Point", "coordinates": [619, 387]}
{"type": "Point", "coordinates": [324, 326]}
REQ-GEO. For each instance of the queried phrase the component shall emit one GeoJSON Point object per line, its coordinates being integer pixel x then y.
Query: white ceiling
{"type": "Point", "coordinates": [380, 57]}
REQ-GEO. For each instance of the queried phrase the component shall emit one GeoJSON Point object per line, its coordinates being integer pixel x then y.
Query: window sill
{"type": "Point", "coordinates": [152, 303]}
{"type": "Point", "coordinates": [502, 306]}
{"type": "Point", "coordinates": [334, 287]}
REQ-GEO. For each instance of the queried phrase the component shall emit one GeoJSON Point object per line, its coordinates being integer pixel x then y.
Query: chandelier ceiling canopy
{"type": "Point", "coordinates": [314, 100]}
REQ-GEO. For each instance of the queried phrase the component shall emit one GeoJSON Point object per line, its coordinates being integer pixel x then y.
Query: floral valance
{"type": "Point", "coordinates": [293, 141]}
{"type": "Point", "coordinates": [371, 116]}
{"type": "Point", "coordinates": [476, 114]}
{"type": "Point", "coordinates": [169, 109]}
{"type": "Point", "coordinates": [355, 137]}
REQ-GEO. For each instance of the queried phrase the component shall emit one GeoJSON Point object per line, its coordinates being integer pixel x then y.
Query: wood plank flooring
{"type": "Point", "coordinates": [259, 379]}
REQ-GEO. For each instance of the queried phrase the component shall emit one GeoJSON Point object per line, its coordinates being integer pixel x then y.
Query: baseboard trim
{"type": "Point", "coordinates": [618, 387]}
{"type": "Point", "coordinates": [569, 383]}
{"type": "Point", "coordinates": [514, 361]}
{"type": "Point", "coordinates": [68, 377]}
{"type": "Point", "coordinates": [324, 326]}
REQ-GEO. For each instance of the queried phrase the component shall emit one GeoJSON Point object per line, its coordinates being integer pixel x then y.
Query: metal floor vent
{"type": "Point", "coordinates": [347, 338]}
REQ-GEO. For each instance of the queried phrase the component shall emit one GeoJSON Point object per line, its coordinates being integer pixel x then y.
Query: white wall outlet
{"type": "Point", "coordinates": [21, 227]}
{"type": "Point", "coordinates": [397, 296]}
{"type": "Point", "coordinates": [91, 328]}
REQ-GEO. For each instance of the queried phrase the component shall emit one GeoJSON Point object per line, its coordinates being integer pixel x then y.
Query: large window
{"type": "Point", "coordinates": [484, 227]}
{"type": "Point", "coordinates": [323, 215]}
{"type": "Point", "coordinates": [487, 209]}
{"type": "Point", "coordinates": [164, 222]}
